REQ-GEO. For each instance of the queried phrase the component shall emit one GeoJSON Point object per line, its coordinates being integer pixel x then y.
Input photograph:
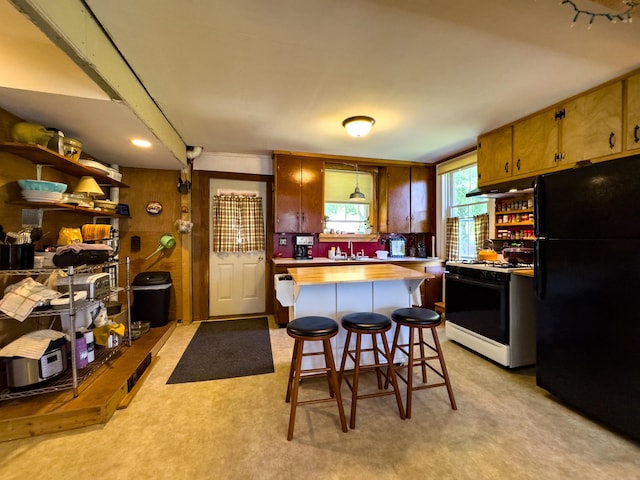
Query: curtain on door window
{"type": "Point", "coordinates": [481, 229]}
{"type": "Point", "coordinates": [452, 238]}
{"type": "Point", "coordinates": [237, 224]}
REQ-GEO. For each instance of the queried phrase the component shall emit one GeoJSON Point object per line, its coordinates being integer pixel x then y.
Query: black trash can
{"type": "Point", "coordinates": [151, 295]}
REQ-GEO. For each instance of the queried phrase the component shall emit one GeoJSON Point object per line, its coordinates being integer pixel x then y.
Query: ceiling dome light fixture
{"type": "Point", "coordinates": [358, 126]}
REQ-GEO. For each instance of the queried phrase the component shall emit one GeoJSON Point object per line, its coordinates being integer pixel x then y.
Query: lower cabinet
{"type": "Point", "coordinates": [431, 289]}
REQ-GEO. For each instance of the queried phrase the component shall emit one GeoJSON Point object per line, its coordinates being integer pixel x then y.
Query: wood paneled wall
{"type": "Point", "coordinates": [146, 186]}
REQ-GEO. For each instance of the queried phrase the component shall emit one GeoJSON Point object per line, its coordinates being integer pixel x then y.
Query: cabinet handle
{"type": "Point", "coordinates": [612, 140]}
{"type": "Point", "coordinates": [506, 167]}
{"type": "Point", "coordinates": [518, 164]}
{"type": "Point", "coordinates": [635, 134]}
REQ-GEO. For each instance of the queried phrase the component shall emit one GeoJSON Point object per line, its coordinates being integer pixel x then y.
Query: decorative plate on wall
{"type": "Point", "coordinates": [154, 207]}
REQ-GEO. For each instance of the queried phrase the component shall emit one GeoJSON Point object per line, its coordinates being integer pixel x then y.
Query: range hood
{"type": "Point", "coordinates": [504, 189]}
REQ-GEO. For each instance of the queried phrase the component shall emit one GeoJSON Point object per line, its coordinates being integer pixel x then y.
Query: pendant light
{"type": "Point", "coordinates": [357, 194]}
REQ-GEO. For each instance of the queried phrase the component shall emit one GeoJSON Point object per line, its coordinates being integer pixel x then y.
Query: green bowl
{"type": "Point", "coordinates": [42, 186]}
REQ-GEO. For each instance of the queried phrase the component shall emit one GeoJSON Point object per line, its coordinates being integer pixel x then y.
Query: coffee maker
{"type": "Point", "coordinates": [303, 247]}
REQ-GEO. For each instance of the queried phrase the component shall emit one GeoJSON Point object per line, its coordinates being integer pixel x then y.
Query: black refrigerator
{"type": "Point", "coordinates": [587, 277]}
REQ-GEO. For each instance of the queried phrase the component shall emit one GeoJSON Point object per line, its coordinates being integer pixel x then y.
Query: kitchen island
{"type": "Point", "coordinates": [335, 291]}
{"type": "Point", "coordinates": [431, 290]}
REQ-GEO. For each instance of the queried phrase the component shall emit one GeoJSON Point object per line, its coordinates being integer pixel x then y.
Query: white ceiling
{"type": "Point", "coordinates": [251, 76]}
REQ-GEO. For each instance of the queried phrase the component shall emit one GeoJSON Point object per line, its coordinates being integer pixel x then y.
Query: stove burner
{"type": "Point", "coordinates": [495, 264]}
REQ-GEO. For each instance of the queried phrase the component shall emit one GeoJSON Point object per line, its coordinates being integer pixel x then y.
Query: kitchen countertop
{"type": "Point", "coordinates": [528, 272]}
{"type": "Point", "coordinates": [360, 261]}
{"type": "Point", "coordinates": [354, 274]}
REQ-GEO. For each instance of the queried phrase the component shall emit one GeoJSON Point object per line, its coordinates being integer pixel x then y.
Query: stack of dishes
{"type": "Point", "coordinates": [41, 197]}
{"type": "Point", "coordinates": [40, 191]}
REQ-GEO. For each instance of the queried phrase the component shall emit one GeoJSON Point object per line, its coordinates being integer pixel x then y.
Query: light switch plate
{"type": "Point", "coordinates": [283, 241]}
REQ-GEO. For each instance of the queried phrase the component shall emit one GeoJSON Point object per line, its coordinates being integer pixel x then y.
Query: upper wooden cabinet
{"type": "Point", "coordinates": [406, 200]}
{"type": "Point", "coordinates": [422, 199]}
{"type": "Point", "coordinates": [298, 194]}
{"type": "Point", "coordinates": [632, 134]}
{"type": "Point", "coordinates": [495, 156]}
{"type": "Point", "coordinates": [535, 143]}
{"type": "Point", "coordinates": [583, 128]}
{"type": "Point", "coordinates": [592, 125]}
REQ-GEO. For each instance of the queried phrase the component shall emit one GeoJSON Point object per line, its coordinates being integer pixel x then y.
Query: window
{"type": "Point", "coordinates": [455, 185]}
{"type": "Point", "coordinates": [343, 215]}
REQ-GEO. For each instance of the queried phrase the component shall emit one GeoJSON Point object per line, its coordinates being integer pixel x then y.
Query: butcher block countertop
{"type": "Point", "coordinates": [524, 273]}
{"type": "Point", "coordinates": [354, 274]}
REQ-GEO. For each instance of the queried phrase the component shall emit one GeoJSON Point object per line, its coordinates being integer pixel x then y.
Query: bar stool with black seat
{"type": "Point", "coordinates": [420, 319]}
{"type": "Point", "coordinates": [374, 324]}
{"type": "Point", "coordinates": [312, 329]}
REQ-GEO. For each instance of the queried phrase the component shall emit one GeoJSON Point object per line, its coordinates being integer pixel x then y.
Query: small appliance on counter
{"type": "Point", "coordinates": [97, 285]}
{"type": "Point", "coordinates": [303, 247]}
{"type": "Point", "coordinates": [397, 247]}
{"type": "Point", "coordinates": [23, 372]}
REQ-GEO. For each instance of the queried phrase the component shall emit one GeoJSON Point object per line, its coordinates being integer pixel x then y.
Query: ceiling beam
{"type": "Point", "coordinates": [74, 29]}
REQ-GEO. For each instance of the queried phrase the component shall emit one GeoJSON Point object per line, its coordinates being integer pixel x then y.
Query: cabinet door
{"type": "Point", "coordinates": [495, 153]}
{"type": "Point", "coordinates": [399, 199]}
{"type": "Point", "coordinates": [422, 200]}
{"type": "Point", "coordinates": [592, 125]}
{"type": "Point", "coordinates": [432, 288]}
{"type": "Point", "coordinates": [311, 195]}
{"type": "Point", "coordinates": [535, 143]}
{"type": "Point", "coordinates": [633, 113]}
{"type": "Point", "coordinates": [287, 194]}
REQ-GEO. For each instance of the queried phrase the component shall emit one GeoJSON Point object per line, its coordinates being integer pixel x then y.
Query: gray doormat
{"type": "Point", "coordinates": [233, 348]}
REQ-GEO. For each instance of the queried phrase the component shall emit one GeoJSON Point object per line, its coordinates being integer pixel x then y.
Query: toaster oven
{"type": "Point", "coordinates": [97, 285]}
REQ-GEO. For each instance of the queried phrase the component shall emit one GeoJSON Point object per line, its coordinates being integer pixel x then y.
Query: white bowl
{"type": "Point", "coordinates": [383, 254]}
{"type": "Point", "coordinates": [42, 186]}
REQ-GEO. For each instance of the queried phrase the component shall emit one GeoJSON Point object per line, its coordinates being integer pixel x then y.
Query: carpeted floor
{"type": "Point", "coordinates": [233, 348]}
{"type": "Point", "coordinates": [505, 428]}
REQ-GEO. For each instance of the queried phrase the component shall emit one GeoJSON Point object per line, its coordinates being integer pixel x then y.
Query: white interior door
{"type": "Point", "coordinates": [237, 281]}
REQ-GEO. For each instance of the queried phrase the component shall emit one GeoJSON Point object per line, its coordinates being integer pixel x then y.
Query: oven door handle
{"type": "Point", "coordinates": [480, 283]}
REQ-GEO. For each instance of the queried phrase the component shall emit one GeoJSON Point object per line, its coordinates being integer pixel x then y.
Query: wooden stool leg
{"type": "Point", "coordinates": [356, 375]}
{"type": "Point", "coordinates": [334, 386]}
{"type": "Point", "coordinates": [294, 388]}
{"type": "Point", "coordinates": [445, 373]}
{"type": "Point", "coordinates": [410, 372]}
{"type": "Point", "coordinates": [376, 359]}
{"type": "Point", "coordinates": [292, 369]}
{"type": "Point", "coordinates": [345, 355]}
{"type": "Point", "coordinates": [391, 372]}
{"type": "Point", "coordinates": [423, 362]}
{"type": "Point", "coordinates": [328, 357]}
{"type": "Point", "coordinates": [394, 348]}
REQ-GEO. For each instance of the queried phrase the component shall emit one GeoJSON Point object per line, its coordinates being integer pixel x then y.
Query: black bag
{"type": "Point", "coordinates": [83, 257]}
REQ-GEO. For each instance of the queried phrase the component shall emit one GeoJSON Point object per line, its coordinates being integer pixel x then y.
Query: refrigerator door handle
{"type": "Point", "coordinates": [538, 206]}
{"type": "Point", "coordinates": [538, 272]}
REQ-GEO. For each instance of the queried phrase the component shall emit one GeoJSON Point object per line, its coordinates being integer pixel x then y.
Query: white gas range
{"type": "Point", "coordinates": [491, 311]}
